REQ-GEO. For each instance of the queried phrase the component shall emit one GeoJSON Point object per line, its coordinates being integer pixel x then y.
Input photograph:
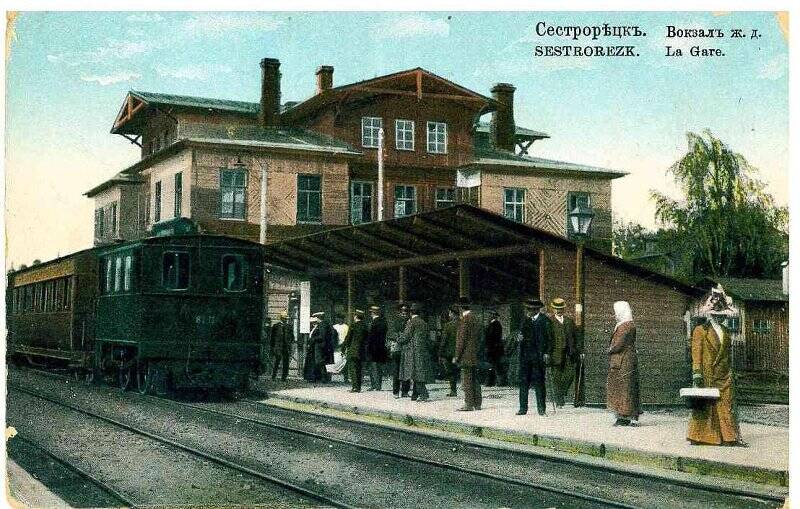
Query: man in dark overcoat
{"type": "Point", "coordinates": [315, 361]}
{"type": "Point", "coordinates": [400, 387]}
{"type": "Point", "coordinates": [282, 337]}
{"type": "Point", "coordinates": [376, 353]}
{"type": "Point", "coordinates": [495, 351]}
{"type": "Point", "coordinates": [468, 338]}
{"type": "Point", "coordinates": [447, 349]}
{"type": "Point", "coordinates": [354, 347]}
{"type": "Point", "coordinates": [417, 363]}
{"type": "Point", "coordinates": [535, 343]}
{"type": "Point", "coordinates": [330, 341]}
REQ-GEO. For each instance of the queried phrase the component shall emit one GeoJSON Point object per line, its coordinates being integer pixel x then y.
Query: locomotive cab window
{"type": "Point", "coordinates": [233, 273]}
{"type": "Point", "coordinates": [175, 273]}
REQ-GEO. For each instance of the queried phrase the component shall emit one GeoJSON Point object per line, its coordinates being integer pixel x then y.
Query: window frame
{"type": "Point", "coordinates": [763, 326]}
{"type": "Point", "coordinates": [397, 135]}
{"type": "Point", "coordinates": [306, 193]}
{"type": "Point", "coordinates": [189, 273]}
{"type": "Point", "coordinates": [435, 132]}
{"type": "Point", "coordinates": [157, 202]}
{"type": "Point", "coordinates": [236, 189]}
{"type": "Point", "coordinates": [127, 272]}
{"type": "Point", "coordinates": [361, 183]}
{"type": "Point", "coordinates": [178, 194]}
{"type": "Point", "coordinates": [514, 203]}
{"type": "Point", "coordinates": [245, 268]}
{"type": "Point", "coordinates": [413, 199]}
{"type": "Point", "coordinates": [437, 201]}
{"type": "Point", "coordinates": [374, 131]}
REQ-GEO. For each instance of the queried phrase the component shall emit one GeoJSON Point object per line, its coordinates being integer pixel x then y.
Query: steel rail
{"type": "Point", "coordinates": [727, 490]}
{"type": "Point", "coordinates": [126, 501]}
{"type": "Point", "coordinates": [415, 459]}
{"type": "Point", "coordinates": [192, 450]}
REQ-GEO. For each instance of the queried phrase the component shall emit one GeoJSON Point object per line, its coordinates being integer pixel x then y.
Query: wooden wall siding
{"type": "Point", "coordinates": [658, 312]}
{"type": "Point", "coordinates": [129, 211]}
{"type": "Point", "coordinates": [164, 172]}
{"type": "Point", "coordinates": [156, 123]}
{"type": "Point", "coordinates": [346, 125]}
{"type": "Point", "coordinates": [768, 351]}
{"type": "Point", "coordinates": [546, 199]}
{"type": "Point", "coordinates": [282, 171]}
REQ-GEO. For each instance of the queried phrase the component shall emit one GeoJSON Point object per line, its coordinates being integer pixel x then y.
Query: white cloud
{"type": "Point", "coordinates": [113, 49]}
{"type": "Point", "coordinates": [189, 72]}
{"type": "Point", "coordinates": [110, 79]}
{"type": "Point", "coordinates": [412, 26]}
{"type": "Point", "coordinates": [215, 25]}
{"type": "Point", "coordinates": [775, 68]}
{"type": "Point", "coordinates": [145, 17]}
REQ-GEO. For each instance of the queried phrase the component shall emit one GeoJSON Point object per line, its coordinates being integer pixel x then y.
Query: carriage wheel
{"type": "Point", "coordinates": [144, 377]}
{"type": "Point", "coordinates": [125, 377]}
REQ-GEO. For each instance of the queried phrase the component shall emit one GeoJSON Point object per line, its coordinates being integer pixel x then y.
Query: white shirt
{"type": "Point", "coordinates": [560, 318]}
{"type": "Point", "coordinates": [465, 313]}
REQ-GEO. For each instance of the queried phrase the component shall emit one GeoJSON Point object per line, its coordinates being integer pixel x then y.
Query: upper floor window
{"type": "Point", "coordinates": [577, 198]}
{"type": "Point", "coordinates": [233, 273]}
{"type": "Point", "coordinates": [370, 126]}
{"type": "Point", "coordinates": [404, 134]}
{"type": "Point", "coordinates": [178, 194]}
{"type": "Point", "coordinates": [112, 211]}
{"type": "Point", "coordinates": [309, 198]}
{"type": "Point", "coordinates": [514, 204]}
{"type": "Point", "coordinates": [360, 202]}
{"type": "Point", "coordinates": [175, 271]}
{"type": "Point", "coordinates": [762, 326]}
{"type": "Point", "coordinates": [437, 137]}
{"type": "Point", "coordinates": [99, 225]}
{"type": "Point", "coordinates": [157, 203]}
{"type": "Point", "coordinates": [232, 189]}
{"type": "Point", "coordinates": [405, 201]}
{"type": "Point", "coordinates": [445, 196]}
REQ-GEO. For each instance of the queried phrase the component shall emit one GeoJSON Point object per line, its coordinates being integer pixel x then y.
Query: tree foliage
{"type": "Point", "coordinates": [726, 221]}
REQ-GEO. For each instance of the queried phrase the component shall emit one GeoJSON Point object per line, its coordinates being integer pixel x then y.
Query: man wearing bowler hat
{"type": "Point", "coordinates": [535, 343]}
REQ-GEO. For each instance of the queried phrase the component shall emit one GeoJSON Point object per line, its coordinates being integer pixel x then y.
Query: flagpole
{"type": "Point", "coordinates": [380, 174]}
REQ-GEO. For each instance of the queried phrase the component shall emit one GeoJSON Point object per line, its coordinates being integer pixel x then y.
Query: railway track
{"type": "Point", "coordinates": [257, 418]}
{"type": "Point", "coordinates": [319, 497]}
{"type": "Point", "coordinates": [123, 500]}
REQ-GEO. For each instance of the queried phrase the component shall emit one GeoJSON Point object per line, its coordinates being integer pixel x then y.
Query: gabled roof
{"type": "Point", "coordinates": [417, 82]}
{"type": "Point", "coordinates": [521, 133]}
{"type": "Point", "coordinates": [751, 289]}
{"type": "Point", "coordinates": [120, 178]}
{"type": "Point", "coordinates": [488, 156]}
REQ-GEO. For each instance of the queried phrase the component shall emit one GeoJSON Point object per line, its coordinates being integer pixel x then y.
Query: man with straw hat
{"type": "Point", "coordinates": [565, 356]}
{"type": "Point", "coordinates": [281, 338]}
{"type": "Point", "coordinates": [353, 347]}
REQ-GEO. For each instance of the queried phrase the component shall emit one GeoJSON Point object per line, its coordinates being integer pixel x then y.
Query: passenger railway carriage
{"type": "Point", "coordinates": [173, 311]}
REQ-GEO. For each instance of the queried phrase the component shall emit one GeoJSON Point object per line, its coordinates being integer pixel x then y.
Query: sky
{"type": "Point", "coordinates": [67, 74]}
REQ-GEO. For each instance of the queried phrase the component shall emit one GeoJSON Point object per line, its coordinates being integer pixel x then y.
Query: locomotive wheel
{"type": "Point", "coordinates": [144, 377]}
{"type": "Point", "coordinates": [125, 377]}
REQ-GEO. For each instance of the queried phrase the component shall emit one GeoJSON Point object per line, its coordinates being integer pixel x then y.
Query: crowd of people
{"type": "Point", "coordinates": [548, 349]}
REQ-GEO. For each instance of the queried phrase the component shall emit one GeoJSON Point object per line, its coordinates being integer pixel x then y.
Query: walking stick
{"type": "Point", "coordinates": [578, 393]}
{"type": "Point", "coordinates": [552, 385]}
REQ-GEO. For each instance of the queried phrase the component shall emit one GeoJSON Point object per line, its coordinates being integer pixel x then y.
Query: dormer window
{"type": "Point", "coordinates": [370, 126]}
{"type": "Point", "coordinates": [404, 134]}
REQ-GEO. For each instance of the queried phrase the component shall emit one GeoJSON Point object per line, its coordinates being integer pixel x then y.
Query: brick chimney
{"type": "Point", "coordinates": [324, 78]}
{"type": "Point", "coordinates": [503, 129]}
{"type": "Point", "coordinates": [268, 116]}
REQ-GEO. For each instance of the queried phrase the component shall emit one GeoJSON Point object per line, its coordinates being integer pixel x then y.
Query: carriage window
{"type": "Point", "coordinates": [126, 285]}
{"type": "Point", "coordinates": [67, 292]}
{"type": "Point", "coordinates": [109, 272]}
{"type": "Point", "coordinates": [118, 274]}
{"type": "Point", "coordinates": [233, 273]}
{"type": "Point", "coordinates": [175, 273]}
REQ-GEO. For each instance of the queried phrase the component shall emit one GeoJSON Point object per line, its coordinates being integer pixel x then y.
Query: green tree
{"type": "Point", "coordinates": [726, 221]}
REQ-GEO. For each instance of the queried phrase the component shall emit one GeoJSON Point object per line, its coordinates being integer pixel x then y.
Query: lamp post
{"type": "Point", "coordinates": [580, 222]}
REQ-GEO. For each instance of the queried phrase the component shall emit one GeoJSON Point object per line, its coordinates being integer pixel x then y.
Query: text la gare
{"type": "Point", "coordinates": [695, 51]}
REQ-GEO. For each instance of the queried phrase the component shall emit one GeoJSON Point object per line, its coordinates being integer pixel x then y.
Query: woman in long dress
{"type": "Point", "coordinates": [622, 389]}
{"type": "Point", "coordinates": [714, 423]}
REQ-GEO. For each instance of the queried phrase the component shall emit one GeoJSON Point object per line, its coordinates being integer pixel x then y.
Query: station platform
{"type": "Point", "coordinates": [659, 442]}
{"type": "Point", "coordinates": [23, 490]}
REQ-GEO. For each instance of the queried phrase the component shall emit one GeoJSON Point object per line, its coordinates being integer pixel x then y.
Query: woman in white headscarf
{"type": "Point", "coordinates": [622, 389]}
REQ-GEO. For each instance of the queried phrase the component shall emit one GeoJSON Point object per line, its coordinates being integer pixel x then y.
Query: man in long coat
{"type": "Point", "coordinates": [468, 340]}
{"type": "Point", "coordinates": [400, 387]}
{"type": "Point", "coordinates": [416, 364]}
{"type": "Point", "coordinates": [376, 353]}
{"type": "Point", "coordinates": [447, 349]}
{"type": "Point", "coordinates": [282, 337]}
{"type": "Point", "coordinates": [564, 354]}
{"type": "Point", "coordinates": [354, 347]}
{"type": "Point", "coordinates": [535, 343]}
{"type": "Point", "coordinates": [714, 423]}
{"type": "Point", "coordinates": [314, 351]}
{"type": "Point", "coordinates": [622, 388]}
{"type": "Point", "coordinates": [495, 351]}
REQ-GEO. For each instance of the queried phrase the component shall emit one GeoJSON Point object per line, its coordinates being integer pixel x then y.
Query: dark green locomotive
{"type": "Point", "coordinates": [177, 311]}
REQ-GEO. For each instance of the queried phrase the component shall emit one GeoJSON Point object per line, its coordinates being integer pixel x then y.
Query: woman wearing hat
{"type": "Point", "coordinates": [714, 423]}
{"type": "Point", "coordinates": [622, 388]}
